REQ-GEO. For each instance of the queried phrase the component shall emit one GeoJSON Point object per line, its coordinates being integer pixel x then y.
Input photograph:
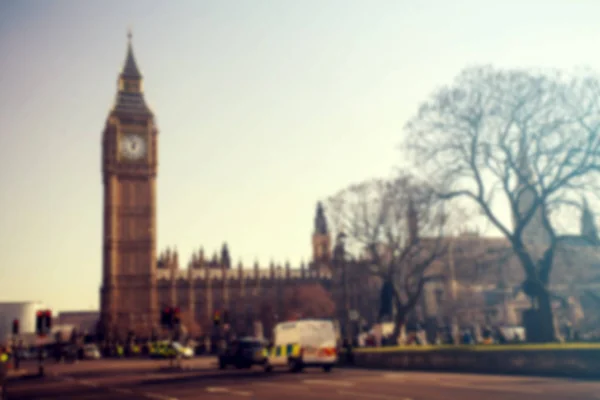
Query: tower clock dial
{"type": "Point", "coordinates": [133, 147]}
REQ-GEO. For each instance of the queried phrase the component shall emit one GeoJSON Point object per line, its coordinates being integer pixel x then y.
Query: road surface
{"type": "Point", "coordinates": [151, 380]}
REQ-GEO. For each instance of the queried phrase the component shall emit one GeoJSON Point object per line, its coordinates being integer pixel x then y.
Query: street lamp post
{"type": "Point", "coordinates": [340, 257]}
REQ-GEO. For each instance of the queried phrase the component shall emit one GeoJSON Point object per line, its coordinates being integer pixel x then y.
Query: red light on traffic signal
{"type": "Point", "coordinates": [39, 313]}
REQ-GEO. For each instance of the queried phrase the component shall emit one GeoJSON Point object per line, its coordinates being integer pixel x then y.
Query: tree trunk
{"type": "Point", "coordinates": [545, 318]}
{"type": "Point", "coordinates": [399, 320]}
{"type": "Point", "coordinates": [539, 320]}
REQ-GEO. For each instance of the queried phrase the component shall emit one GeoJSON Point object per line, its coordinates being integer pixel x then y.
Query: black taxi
{"type": "Point", "coordinates": [243, 353]}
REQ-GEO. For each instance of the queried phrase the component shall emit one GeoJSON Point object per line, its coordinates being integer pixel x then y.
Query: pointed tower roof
{"type": "Point", "coordinates": [412, 218]}
{"type": "Point", "coordinates": [320, 220]}
{"type": "Point", "coordinates": [225, 256]}
{"type": "Point", "coordinates": [523, 192]}
{"type": "Point", "coordinates": [130, 68]}
{"type": "Point", "coordinates": [588, 224]}
{"type": "Point", "coordinates": [523, 164]}
{"type": "Point", "coordinates": [130, 98]}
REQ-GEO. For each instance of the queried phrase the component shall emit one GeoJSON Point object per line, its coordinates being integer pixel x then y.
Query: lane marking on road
{"type": "Point", "coordinates": [216, 389]}
{"type": "Point", "coordinates": [122, 391]}
{"type": "Point", "coordinates": [159, 396]}
{"type": "Point", "coordinates": [421, 378]}
{"type": "Point", "coordinates": [394, 376]}
{"type": "Point", "coordinates": [474, 386]}
{"type": "Point", "coordinates": [469, 384]}
{"type": "Point", "coordinates": [281, 385]}
{"type": "Point", "coordinates": [87, 383]}
{"type": "Point", "coordinates": [377, 379]}
{"type": "Point", "coordinates": [371, 396]}
{"type": "Point", "coordinates": [240, 393]}
{"type": "Point", "coordinates": [324, 382]}
{"type": "Point", "coordinates": [213, 389]}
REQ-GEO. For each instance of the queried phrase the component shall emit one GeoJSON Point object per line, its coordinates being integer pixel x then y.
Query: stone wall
{"type": "Point", "coordinates": [559, 361]}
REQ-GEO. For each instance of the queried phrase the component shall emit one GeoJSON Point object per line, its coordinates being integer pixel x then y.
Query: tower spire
{"type": "Point", "coordinates": [130, 68]}
{"type": "Point", "coordinates": [412, 218]}
{"type": "Point", "coordinates": [588, 225]}
{"type": "Point", "coordinates": [130, 96]}
{"type": "Point", "coordinates": [320, 220]}
{"type": "Point", "coordinates": [534, 232]}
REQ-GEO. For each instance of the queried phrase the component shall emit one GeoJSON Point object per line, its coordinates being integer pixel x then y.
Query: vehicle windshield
{"type": "Point", "coordinates": [251, 345]}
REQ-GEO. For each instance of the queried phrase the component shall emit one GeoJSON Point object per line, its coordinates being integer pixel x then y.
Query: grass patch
{"type": "Point", "coordinates": [482, 347]}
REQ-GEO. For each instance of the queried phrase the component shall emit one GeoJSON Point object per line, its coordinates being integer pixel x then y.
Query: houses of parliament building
{"type": "Point", "coordinates": [137, 282]}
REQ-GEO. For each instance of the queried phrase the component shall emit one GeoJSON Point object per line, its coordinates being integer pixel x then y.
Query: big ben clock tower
{"type": "Point", "coordinates": [128, 295]}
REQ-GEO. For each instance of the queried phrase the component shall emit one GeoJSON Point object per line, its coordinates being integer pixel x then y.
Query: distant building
{"type": "Point", "coordinates": [138, 280]}
{"type": "Point", "coordinates": [82, 321]}
{"type": "Point", "coordinates": [25, 312]}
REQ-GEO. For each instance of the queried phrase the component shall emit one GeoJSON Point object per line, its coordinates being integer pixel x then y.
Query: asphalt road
{"type": "Point", "coordinates": [145, 379]}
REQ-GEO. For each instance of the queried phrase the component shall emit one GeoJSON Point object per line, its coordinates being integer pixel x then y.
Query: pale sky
{"type": "Point", "coordinates": [264, 107]}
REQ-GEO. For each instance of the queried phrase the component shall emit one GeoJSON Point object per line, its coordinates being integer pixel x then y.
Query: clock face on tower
{"type": "Point", "coordinates": [132, 147]}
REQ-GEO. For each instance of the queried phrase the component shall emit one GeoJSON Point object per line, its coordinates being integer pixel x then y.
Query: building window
{"type": "Point", "coordinates": [439, 296]}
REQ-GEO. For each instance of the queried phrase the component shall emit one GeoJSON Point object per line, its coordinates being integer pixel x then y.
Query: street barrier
{"type": "Point", "coordinates": [573, 360]}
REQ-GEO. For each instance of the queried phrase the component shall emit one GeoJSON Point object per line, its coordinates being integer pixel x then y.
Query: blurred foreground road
{"type": "Point", "coordinates": [146, 379]}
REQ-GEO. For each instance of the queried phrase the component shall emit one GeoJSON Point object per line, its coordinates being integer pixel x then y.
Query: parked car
{"type": "Point", "coordinates": [166, 349]}
{"type": "Point", "coordinates": [244, 353]}
{"type": "Point", "coordinates": [91, 352]}
{"type": "Point", "coordinates": [184, 351]}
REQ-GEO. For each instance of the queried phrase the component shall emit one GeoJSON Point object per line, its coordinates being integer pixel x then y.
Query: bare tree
{"type": "Point", "coordinates": [308, 301]}
{"type": "Point", "coordinates": [475, 264]}
{"type": "Point", "coordinates": [520, 139]}
{"type": "Point", "coordinates": [395, 229]}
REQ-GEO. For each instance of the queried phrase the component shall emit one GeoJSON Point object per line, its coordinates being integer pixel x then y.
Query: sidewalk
{"type": "Point", "coordinates": [198, 363]}
{"type": "Point", "coordinates": [17, 373]}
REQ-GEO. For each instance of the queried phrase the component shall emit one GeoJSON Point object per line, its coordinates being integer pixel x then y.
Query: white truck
{"type": "Point", "coordinates": [303, 343]}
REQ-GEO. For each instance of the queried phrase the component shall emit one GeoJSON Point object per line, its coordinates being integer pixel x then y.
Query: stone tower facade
{"type": "Point", "coordinates": [321, 241]}
{"type": "Point", "coordinates": [129, 166]}
{"type": "Point", "coordinates": [137, 282]}
{"type": "Point", "coordinates": [534, 232]}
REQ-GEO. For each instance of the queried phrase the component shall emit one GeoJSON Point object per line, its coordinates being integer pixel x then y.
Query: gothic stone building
{"type": "Point", "coordinates": [137, 282]}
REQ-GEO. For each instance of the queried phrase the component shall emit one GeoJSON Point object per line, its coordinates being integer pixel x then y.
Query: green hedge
{"type": "Point", "coordinates": [481, 347]}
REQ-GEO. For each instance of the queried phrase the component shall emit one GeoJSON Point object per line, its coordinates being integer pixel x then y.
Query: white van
{"type": "Point", "coordinates": [303, 343]}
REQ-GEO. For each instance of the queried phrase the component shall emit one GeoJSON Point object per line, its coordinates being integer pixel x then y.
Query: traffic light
{"type": "Point", "coordinates": [48, 320]}
{"type": "Point", "coordinates": [176, 316]}
{"type": "Point", "coordinates": [43, 322]}
{"type": "Point", "coordinates": [15, 327]}
{"type": "Point", "coordinates": [216, 318]}
{"type": "Point", "coordinates": [165, 317]}
{"type": "Point", "coordinates": [39, 321]}
{"type": "Point", "coordinates": [170, 317]}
